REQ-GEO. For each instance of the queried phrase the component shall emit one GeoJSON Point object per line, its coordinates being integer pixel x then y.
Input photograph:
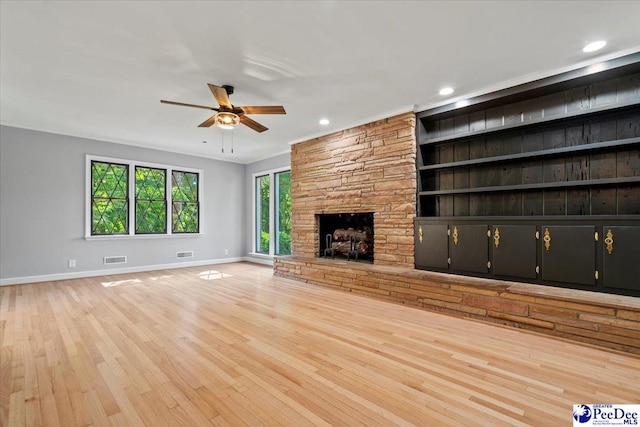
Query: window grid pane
{"type": "Point", "coordinates": [151, 203]}
{"type": "Point", "coordinates": [263, 189]}
{"type": "Point", "coordinates": [283, 213]}
{"type": "Point", "coordinates": [109, 198]}
{"type": "Point", "coordinates": [185, 216]}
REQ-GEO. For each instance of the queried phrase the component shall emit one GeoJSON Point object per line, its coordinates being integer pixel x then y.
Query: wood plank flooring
{"type": "Point", "coordinates": [231, 345]}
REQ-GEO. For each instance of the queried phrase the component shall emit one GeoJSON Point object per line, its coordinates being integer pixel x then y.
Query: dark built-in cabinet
{"type": "Point", "coordinates": [537, 183]}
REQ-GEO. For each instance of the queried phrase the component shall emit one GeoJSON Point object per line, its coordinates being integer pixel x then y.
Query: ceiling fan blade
{"type": "Point", "coordinates": [252, 124]}
{"type": "Point", "coordinates": [273, 109]}
{"type": "Point", "coordinates": [220, 94]}
{"type": "Point", "coordinates": [207, 123]}
{"type": "Point", "coordinates": [182, 104]}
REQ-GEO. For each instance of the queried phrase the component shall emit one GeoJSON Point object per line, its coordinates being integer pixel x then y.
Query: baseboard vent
{"type": "Point", "coordinates": [184, 254]}
{"type": "Point", "coordinates": [115, 260]}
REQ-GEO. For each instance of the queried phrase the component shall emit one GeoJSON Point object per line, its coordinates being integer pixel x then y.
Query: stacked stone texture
{"type": "Point", "coordinates": [369, 168]}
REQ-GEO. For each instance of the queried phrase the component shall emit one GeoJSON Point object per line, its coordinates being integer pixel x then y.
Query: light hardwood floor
{"type": "Point", "coordinates": [232, 345]}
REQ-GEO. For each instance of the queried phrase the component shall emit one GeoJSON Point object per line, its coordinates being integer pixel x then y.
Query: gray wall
{"type": "Point", "coordinates": [42, 205]}
{"type": "Point", "coordinates": [280, 161]}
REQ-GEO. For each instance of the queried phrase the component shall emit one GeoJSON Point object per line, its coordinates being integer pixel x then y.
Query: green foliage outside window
{"type": "Point", "coordinates": [185, 209]}
{"type": "Point", "coordinates": [109, 198]}
{"type": "Point", "coordinates": [151, 203]}
{"type": "Point", "coordinates": [264, 188]}
{"type": "Point", "coordinates": [284, 213]}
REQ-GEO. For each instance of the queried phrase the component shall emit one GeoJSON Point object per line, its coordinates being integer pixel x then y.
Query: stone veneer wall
{"type": "Point", "coordinates": [370, 168]}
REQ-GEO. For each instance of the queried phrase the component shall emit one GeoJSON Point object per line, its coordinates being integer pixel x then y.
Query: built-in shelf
{"type": "Point", "coordinates": [538, 183]}
{"type": "Point", "coordinates": [628, 142]}
{"type": "Point", "coordinates": [543, 121]}
{"type": "Point", "coordinates": [542, 185]}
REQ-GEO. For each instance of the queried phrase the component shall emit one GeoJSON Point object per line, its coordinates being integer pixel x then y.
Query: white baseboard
{"type": "Point", "coordinates": [122, 270]}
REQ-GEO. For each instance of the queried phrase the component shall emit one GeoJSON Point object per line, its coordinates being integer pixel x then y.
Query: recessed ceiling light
{"type": "Point", "coordinates": [446, 91]}
{"type": "Point", "coordinates": [324, 122]}
{"type": "Point", "coordinates": [592, 47]}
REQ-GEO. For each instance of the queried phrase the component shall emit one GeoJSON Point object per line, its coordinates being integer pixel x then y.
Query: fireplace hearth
{"type": "Point", "coordinates": [346, 235]}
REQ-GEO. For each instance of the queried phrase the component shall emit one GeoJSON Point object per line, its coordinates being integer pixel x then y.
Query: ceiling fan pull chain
{"type": "Point", "coordinates": [222, 141]}
{"type": "Point", "coordinates": [231, 141]}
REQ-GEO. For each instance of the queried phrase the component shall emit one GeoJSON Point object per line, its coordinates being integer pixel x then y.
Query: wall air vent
{"type": "Point", "coordinates": [184, 254]}
{"type": "Point", "coordinates": [115, 260]}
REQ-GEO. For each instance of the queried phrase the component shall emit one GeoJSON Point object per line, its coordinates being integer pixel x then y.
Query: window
{"type": "Point", "coordinates": [283, 213]}
{"type": "Point", "coordinates": [273, 212]}
{"type": "Point", "coordinates": [184, 192]}
{"type": "Point", "coordinates": [116, 185]}
{"type": "Point", "coordinates": [151, 200]}
{"type": "Point", "coordinates": [263, 193]}
{"type": "Point", "coordinates": [109, 198]}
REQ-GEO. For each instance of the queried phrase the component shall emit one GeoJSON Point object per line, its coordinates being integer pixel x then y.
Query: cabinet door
{"type": "Point", "coordinates": [431, 246]}
{"type": "Point", "coordinates": [514, 250]}
{"type": "Point", "coordinates": [469, 247]}
{"type": "Point", "coordinates": [621, 262]}
{"type": "Point", "coordinates": [569, 254]}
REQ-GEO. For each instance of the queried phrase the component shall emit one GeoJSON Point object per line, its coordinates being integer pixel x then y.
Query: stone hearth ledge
{"type": "Point", "coordinates": [605, 320]}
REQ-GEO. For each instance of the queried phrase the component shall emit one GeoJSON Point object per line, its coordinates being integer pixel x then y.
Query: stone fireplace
{"type": "Point", "coordinates": [370, 168]}
{"type": "Point", "coordinates": [346, 235]}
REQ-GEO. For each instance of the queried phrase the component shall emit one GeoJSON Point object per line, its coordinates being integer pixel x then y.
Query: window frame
{"type": "Point", "coordinates": [170, 207]}
{"type": "Point", "coordinates": [272, 210]}
{"type": "Point", "coordinates": [91, 199]}
{"type": "Point", "coordinates": [131, 198]}
{"type": "Point", "coordinates": [135, 208]}
{"type": "Point", "coordinates": [276, 211]}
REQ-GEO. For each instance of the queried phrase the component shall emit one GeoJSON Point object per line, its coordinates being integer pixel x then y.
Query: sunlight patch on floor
{"type": "Point", "coordinates": [120, 282]}
{"type": "Point", "coordinates": [213, 275]}
{"type": "Point", "coordinates": [160, 277]}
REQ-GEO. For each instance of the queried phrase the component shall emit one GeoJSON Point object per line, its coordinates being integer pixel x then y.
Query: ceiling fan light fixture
{"type": "Point", "coordinates": [227, 120]}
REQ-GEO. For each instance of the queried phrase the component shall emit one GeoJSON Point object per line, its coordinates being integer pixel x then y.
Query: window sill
{"type": "Point", "coordinates": [260, 255]}
{"type": "Point", "coordinates": [144, 236]}
{"type": "Point", "coordinates": [265, 256]}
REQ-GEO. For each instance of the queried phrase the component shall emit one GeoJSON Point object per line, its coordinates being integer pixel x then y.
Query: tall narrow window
{"type": "Point", "coordinates": [109, 198]}
{"type": "Point", "coordinates": [283, 213]}
{"type": "Point", "coordinates": [272, 195]}
{"type": "Point", "coordinates": [263, 195]}
{"type": "Point", "coordinates": [186, 206]}
{"type": "Point", "coordinates": [151, 200]}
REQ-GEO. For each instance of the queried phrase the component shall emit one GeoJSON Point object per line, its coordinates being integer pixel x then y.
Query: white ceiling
{"type": "Point", "coordinates": [99, 69]}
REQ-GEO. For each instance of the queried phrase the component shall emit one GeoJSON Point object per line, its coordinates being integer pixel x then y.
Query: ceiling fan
{"type": "Point", "coordinates": [228, 115]}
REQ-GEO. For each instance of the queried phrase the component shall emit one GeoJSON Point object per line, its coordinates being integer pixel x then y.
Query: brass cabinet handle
{"type": "Point", "coordinates": [496, 237]}
{"type": "Point", "coordinates": [547, 239]}
{"type": "Point", "coordinates": [455, 235]}
{"type": "Point", "coordinates": [420, 234]}
{"type": "Point", "coordinates": [609, 241]}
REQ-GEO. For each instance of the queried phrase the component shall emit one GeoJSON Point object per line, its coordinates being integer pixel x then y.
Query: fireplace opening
{"type": "Point", "coordinates": [346, 236]}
